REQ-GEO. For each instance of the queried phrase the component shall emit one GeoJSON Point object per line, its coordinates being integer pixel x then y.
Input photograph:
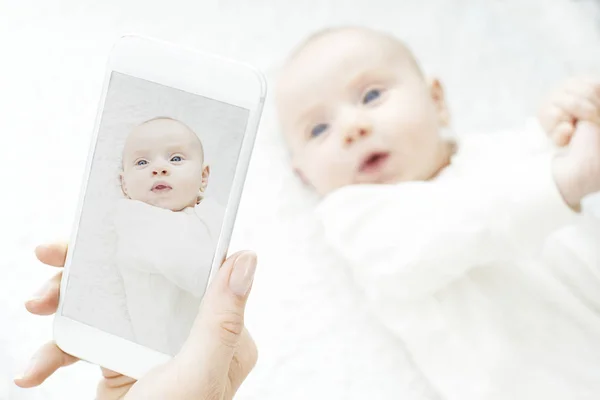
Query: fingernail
{"type": "Point", "coordinates": [25, 373]}
{"type": "Point", "coordinates": [42, 247]}
{"type": "Point", "coordinates": [38, 294]}
{"type": "Point", "coordinates": [242, 275]}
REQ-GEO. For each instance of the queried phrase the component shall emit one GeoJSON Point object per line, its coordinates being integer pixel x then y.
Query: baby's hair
{"type": "Point", "coordinates": [164, 117]}
{"type": "Point", "coordinates": [179, 122]}
{"type": "Point", "coordinates": [349, 28]}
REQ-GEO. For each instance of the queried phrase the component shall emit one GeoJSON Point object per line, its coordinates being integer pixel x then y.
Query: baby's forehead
{"type": "Point", "coordinates": [334, 61]}
{"type": "Point", "coordinates": [341, 55]}
{"type": "Point", "coordinates": [349, 43]}
{"type": "Point", "coordinates": [162, 125]}
{"type": "Point", "coordinates": [162, 132]}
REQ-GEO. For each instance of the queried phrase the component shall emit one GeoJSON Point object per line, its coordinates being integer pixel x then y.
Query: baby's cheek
{"type": "Point", "coordinates": [328, 175]}
{"type": "Point", "coordinates": [313, 169]}
{"type": "Point", "coordinates": [189, 184]}
{"type": "Point", "coordinates": [138, 188]}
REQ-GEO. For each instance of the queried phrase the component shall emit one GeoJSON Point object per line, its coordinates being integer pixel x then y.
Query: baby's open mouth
{"type": "Point", "coordinates": [374, 162]}
{"type": "Point", "coordinates": [161, 187]}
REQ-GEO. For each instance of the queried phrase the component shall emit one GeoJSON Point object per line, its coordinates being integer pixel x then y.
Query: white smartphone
{"type": "Point", "coordinates": [170, 150]}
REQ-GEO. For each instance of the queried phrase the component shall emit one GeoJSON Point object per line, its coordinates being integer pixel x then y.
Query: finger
{"type": "Point", "coordinates": [45, 300]}
{"type": "Point", "coordinates": [586, 89]}
{"type": "Point", "coordinates": [109, 374]}
{"type": "Point", "coordinates": [550, 115]}
{"type": "Point", "coordinates": [44, 363]}
{"type": "Point", "coordinates": [217, 331]}
{"type": "Point", "coordinates": [52, 254]}
{"type": "Point", "coordinates": [592, 82]}
{"type": "Point", "coordinates": [578, 107]}
{"type": "Point", "coordinates": [589, 128]}
{"type": "Point", "coordinates": [596, 87]}
{"type": "Point", "coordinates": [244, 360]}
{"type": "Point", "coordinates": [561, 135]}
{"type": "Point", "coordinates": [113, 385]}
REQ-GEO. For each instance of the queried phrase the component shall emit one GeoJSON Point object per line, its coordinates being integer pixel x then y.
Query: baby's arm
{"type": "Point", "coordinates": [410, 240]}
{"type": "Point", "coordinates": [175, 245]}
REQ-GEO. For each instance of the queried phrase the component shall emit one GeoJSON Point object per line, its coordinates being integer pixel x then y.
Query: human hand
{"type": "Point", "coordinates": [576, 100]}
{"type": "Point", "coordinates": [577, 172]}
{"type": "Point", "coordinates": [215, 360]}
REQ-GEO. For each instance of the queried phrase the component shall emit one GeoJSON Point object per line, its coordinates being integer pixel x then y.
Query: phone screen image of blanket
{"type": "Point", "coordinates": [160, 177]}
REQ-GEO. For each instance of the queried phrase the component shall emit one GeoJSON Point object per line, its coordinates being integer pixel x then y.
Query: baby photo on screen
{"type": "Point", "coordinates": [160, 177]}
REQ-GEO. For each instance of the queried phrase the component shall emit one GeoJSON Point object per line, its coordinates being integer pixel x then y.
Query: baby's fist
{"type": "Point", "coordinates": [576, 100]}
{"type": "Point", "coordinates": [577, 172]}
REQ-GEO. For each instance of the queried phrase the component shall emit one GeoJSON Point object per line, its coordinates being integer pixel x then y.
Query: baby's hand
{"type": "Point", "coordinates": [576, 100]}
{"type": "Point", "coordinates": [577, 172]}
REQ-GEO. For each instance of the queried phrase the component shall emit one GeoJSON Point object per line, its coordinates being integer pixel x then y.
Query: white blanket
{"type": "Point", "coordinates": [164, 258]}
{"type": "Point", "coordinates": [453, 268]}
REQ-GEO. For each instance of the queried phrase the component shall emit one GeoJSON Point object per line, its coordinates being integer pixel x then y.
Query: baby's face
{"type": "Point", "coordinates": [355, 108]}
{"type": "Point", "coordinates": [163, 165]}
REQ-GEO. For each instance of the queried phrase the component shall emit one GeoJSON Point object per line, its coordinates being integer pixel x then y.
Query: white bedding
{"type": "Point", "coordinates": [316, 339]}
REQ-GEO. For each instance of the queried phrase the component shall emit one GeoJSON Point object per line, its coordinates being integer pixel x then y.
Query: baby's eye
{"type": "Point", "coordinates": [176, 159]}
{"type": "Point", "coordinates": [318, 130]}
{"type": "Point", "coordinates": [141, 162]}
{"type": "Point", "coordinates": [371, 95]}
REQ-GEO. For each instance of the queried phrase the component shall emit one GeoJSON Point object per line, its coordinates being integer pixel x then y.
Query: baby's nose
{"type": "Point", "coordinates": [160, 171]}
{"type": "Point", "coordinates": [355, 134]}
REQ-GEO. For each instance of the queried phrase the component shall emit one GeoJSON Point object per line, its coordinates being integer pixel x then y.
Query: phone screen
{"type": "Point", "coordinates": [160, 179]}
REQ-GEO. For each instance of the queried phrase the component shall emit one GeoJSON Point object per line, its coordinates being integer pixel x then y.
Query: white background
{"type": "Point", "coordinates": [497, 58]}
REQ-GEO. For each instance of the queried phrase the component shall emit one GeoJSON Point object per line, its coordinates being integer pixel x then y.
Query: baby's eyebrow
{"type": "Point", "coordinates": [362, 77]}
{"type": "Point", "coordinates": [139, 153]}
{"type": "Point", "coordinates": [177, 147]}
{"type": "Point", "coordinates": [307, 113]}
{"type": "Point", "coordinates": [359, 79]}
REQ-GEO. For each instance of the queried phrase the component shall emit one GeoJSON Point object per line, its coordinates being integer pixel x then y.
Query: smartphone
{"type": "Point", "coordinates": [171, 146]}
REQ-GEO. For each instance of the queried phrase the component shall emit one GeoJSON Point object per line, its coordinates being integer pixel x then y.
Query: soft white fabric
{"type": "Point", "coordinates": [591, 205]}
{"type": "Point", "coordinates": [164, 258]}
{"type": "Point", "coordinates": [453, 267]}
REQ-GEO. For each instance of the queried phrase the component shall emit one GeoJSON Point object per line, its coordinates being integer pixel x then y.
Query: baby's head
{"type": "Point", "coordinates": [163, 165]}
{"type": "Point", "coordinates": [355, 108]}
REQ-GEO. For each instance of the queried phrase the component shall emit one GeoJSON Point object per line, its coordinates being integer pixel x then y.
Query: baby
{"type": "Point", "coordinates": [166, 231]}
{"type": "Point", "coordinates": [446, 237]}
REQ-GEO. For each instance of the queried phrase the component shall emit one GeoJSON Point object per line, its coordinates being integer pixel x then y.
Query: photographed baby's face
{"type": "Point", "coordinates": [163, 165]}
{"type": "Point", "coordinates": [355, 108]}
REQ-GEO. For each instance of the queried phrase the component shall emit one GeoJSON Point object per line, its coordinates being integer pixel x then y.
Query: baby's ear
{"type": "Point", "coordinates": [205, 176]}
{"type": "Point", "coordinates": [123, 185]}
{"type": "Point", "coordinates": [203, 184]}
{"type": "Point", "coordinates": [436, 91]}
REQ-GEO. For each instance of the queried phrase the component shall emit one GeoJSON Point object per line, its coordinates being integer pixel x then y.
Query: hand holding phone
{"type": "Point", "coordinates": [218, 340]}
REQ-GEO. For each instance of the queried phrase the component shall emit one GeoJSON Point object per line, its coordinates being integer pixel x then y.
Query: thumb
{"type": "Point", "coordinates": [562, 133]}
{"type": "Point", "coordinates": [216, 332]}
